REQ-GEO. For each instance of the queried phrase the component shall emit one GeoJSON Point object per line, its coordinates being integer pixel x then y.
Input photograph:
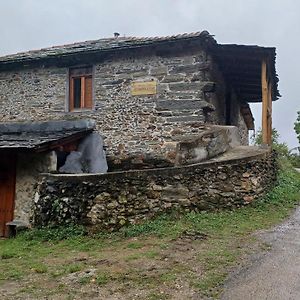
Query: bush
{"type": "Point", "coordinates": [281, 148]}
{"type": "Point", "coordinates": [295, 160]}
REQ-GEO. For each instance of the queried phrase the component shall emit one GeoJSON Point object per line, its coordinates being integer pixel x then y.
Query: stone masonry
{"type": "Point", "coordinates": [190, 93]}
{"type": "Point", "coordinates": [29, 166]}
{"type": "Point", "coordinates": [112, 200]}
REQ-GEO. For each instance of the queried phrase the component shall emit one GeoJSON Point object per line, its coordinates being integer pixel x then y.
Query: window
{"type": "Point", "coordinates": [81, 88]}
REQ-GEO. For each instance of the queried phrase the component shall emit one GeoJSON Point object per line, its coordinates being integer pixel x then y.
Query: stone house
{"type": "Point", "coordinates": [145, 96]}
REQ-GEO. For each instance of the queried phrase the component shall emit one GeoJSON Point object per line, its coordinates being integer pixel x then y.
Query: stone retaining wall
{"type": "Point", "coordinates": [116, 199]}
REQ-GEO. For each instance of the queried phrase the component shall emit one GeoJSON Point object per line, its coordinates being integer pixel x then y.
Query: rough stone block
{"type": "Point", "coordinates": [173, 78]}
{"type": "Point", "coordinates": [188, 104]}
{"type": "Point", "coordinates": [209, 87]}
{"type": "Point", "coordinates": [184, 119]}
{"type": "Point", "coordinates": [189, 68]}
{"type": "Point", "coordinates": [162, 70]}
{"type": "Point", "coordinates": [185, 86]}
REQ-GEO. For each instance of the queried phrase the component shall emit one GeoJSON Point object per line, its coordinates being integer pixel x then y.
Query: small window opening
{"type": "Point", "coordinates": [81, 89]}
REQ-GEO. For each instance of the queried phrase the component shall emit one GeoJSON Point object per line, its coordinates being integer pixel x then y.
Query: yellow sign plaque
{"type": "Point", "coordinates": [143, 88]}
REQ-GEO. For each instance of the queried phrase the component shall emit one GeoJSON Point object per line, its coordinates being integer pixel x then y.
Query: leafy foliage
{"type": "Point", "coordinates": [281, 148]}
{"type": "Point", "coordinates": [297, 126]}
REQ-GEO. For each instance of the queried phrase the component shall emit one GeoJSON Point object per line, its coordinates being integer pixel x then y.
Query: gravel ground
{"type": "Point", "coordinates": [272, 275]}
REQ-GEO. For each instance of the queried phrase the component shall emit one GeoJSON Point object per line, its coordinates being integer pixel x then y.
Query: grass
{"type": "Point", "coordinates": [135, 245]}
{"type": "Point", "coordinates": [102, 279]}
{"type": "Point", "coordinates": [147, 256]}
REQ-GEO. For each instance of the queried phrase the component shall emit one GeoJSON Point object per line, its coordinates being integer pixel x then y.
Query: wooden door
{"type": "Point", "coordinates": [7, 190]}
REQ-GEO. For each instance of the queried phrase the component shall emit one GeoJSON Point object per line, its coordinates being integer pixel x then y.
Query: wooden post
{"type": "Point", "coordinates": [264, 93]}
{"type": "Point", "coordinates": [269, 111]}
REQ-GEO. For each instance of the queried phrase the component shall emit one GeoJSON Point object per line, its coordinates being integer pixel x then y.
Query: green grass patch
{"type": "Point", "coordinates": [73, 268]}
{"type": "Point", "coordinates": [135, 245]}
{"type": "Point", "coordinates": [151, 254]}
{"type": "Point", "coordinates": [39, 268]}
{"type": "Point", "coordinates": [54, 252]}
{"type": "Point", "coordinates": [102, 279]}
{"type": "Point", "coordinates": [133, 257]}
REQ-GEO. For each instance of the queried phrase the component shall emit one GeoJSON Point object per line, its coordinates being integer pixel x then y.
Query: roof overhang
{"type": "Point", "coordinates": [242, 68]}
{"type": "Point", "coordinates": [42, 136]}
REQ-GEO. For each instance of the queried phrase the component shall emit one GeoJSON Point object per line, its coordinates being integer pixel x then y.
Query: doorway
{"type": "Point", "coordinates": [7, 190]}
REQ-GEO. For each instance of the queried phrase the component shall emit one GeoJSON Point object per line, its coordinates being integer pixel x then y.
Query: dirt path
{"type": "Point", "coordinates": [272, 275]}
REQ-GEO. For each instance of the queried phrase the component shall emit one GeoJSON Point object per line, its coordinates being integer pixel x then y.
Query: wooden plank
{"type": "Point", "coordinates": [264, 91]}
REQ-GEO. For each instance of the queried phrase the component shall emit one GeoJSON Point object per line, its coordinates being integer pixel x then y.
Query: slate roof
{"type": "Point", "coordinates": [41, 136]}
{"type": "Point", "coordinates": [240, 64]}
{"type": "Point", "coordinates": [105, 44]}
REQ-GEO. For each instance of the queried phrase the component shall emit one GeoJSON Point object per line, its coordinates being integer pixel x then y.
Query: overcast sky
{"type": "Point", "coordinates": [33, 24]}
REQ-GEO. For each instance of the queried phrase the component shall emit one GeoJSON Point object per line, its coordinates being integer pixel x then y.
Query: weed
{"type": "Point", "coordinates": [167, 277]}
{"type": "Point", "coordinates": [134, 256]}
{"type": "Point", "coordinates": [39, 268]}
{"type": "Point", "coordinates": [102, 279]}
{"type": "Point", "coordinates": [84, 280]}
{"type": "Point", "coordinates": [135, 245]}
{"type": "Point", "coordinates": [151, 254]}
{"type": "Point", "coordinates": [7, 255]}
{"type": "Point", "coordinates": [74, 268]}
{"type": "Point", "coordinates": [157, 296]}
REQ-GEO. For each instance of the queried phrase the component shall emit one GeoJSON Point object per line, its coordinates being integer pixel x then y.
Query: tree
{"type": "Point", "coordinates": [297, 126]}
{"type": "Point", "coordinates": [281, 148]}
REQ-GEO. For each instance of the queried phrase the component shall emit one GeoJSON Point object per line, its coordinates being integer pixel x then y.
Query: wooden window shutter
{"type": "Point", "coordinates": [71, 95]}
{"type": "Point", "coordinates": [88, 93]}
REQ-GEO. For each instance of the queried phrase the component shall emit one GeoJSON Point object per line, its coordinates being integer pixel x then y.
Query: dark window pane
{"type": "Point", "coordinates": [77, 92]}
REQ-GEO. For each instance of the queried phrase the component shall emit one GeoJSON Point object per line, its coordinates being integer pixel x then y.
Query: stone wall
{"type": "Point", "coordinates": [190, 92]}
{"type": "Point", "coordinates": [115, 199]}
{"type": "Point", "coordinates": [237, 119]}
{"type": "Point", "coordinates": [29, 166]}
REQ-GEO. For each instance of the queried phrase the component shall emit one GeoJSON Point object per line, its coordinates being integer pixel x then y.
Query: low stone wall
{"type": "Point", "coordinates": [115, 199]}
{"type": "Point", "coordinates": [29, 166]}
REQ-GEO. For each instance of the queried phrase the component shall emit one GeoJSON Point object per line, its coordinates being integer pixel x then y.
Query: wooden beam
{"type": "Point", "coordinates": [250, 86]}
{"type": "Point", "coordinates": [251, 80]}
{"type": "Point", "coordinates": [264, 91]}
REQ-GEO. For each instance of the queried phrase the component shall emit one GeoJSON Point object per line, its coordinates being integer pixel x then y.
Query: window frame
{"type": "Point", "coordinates": [82, 72]}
